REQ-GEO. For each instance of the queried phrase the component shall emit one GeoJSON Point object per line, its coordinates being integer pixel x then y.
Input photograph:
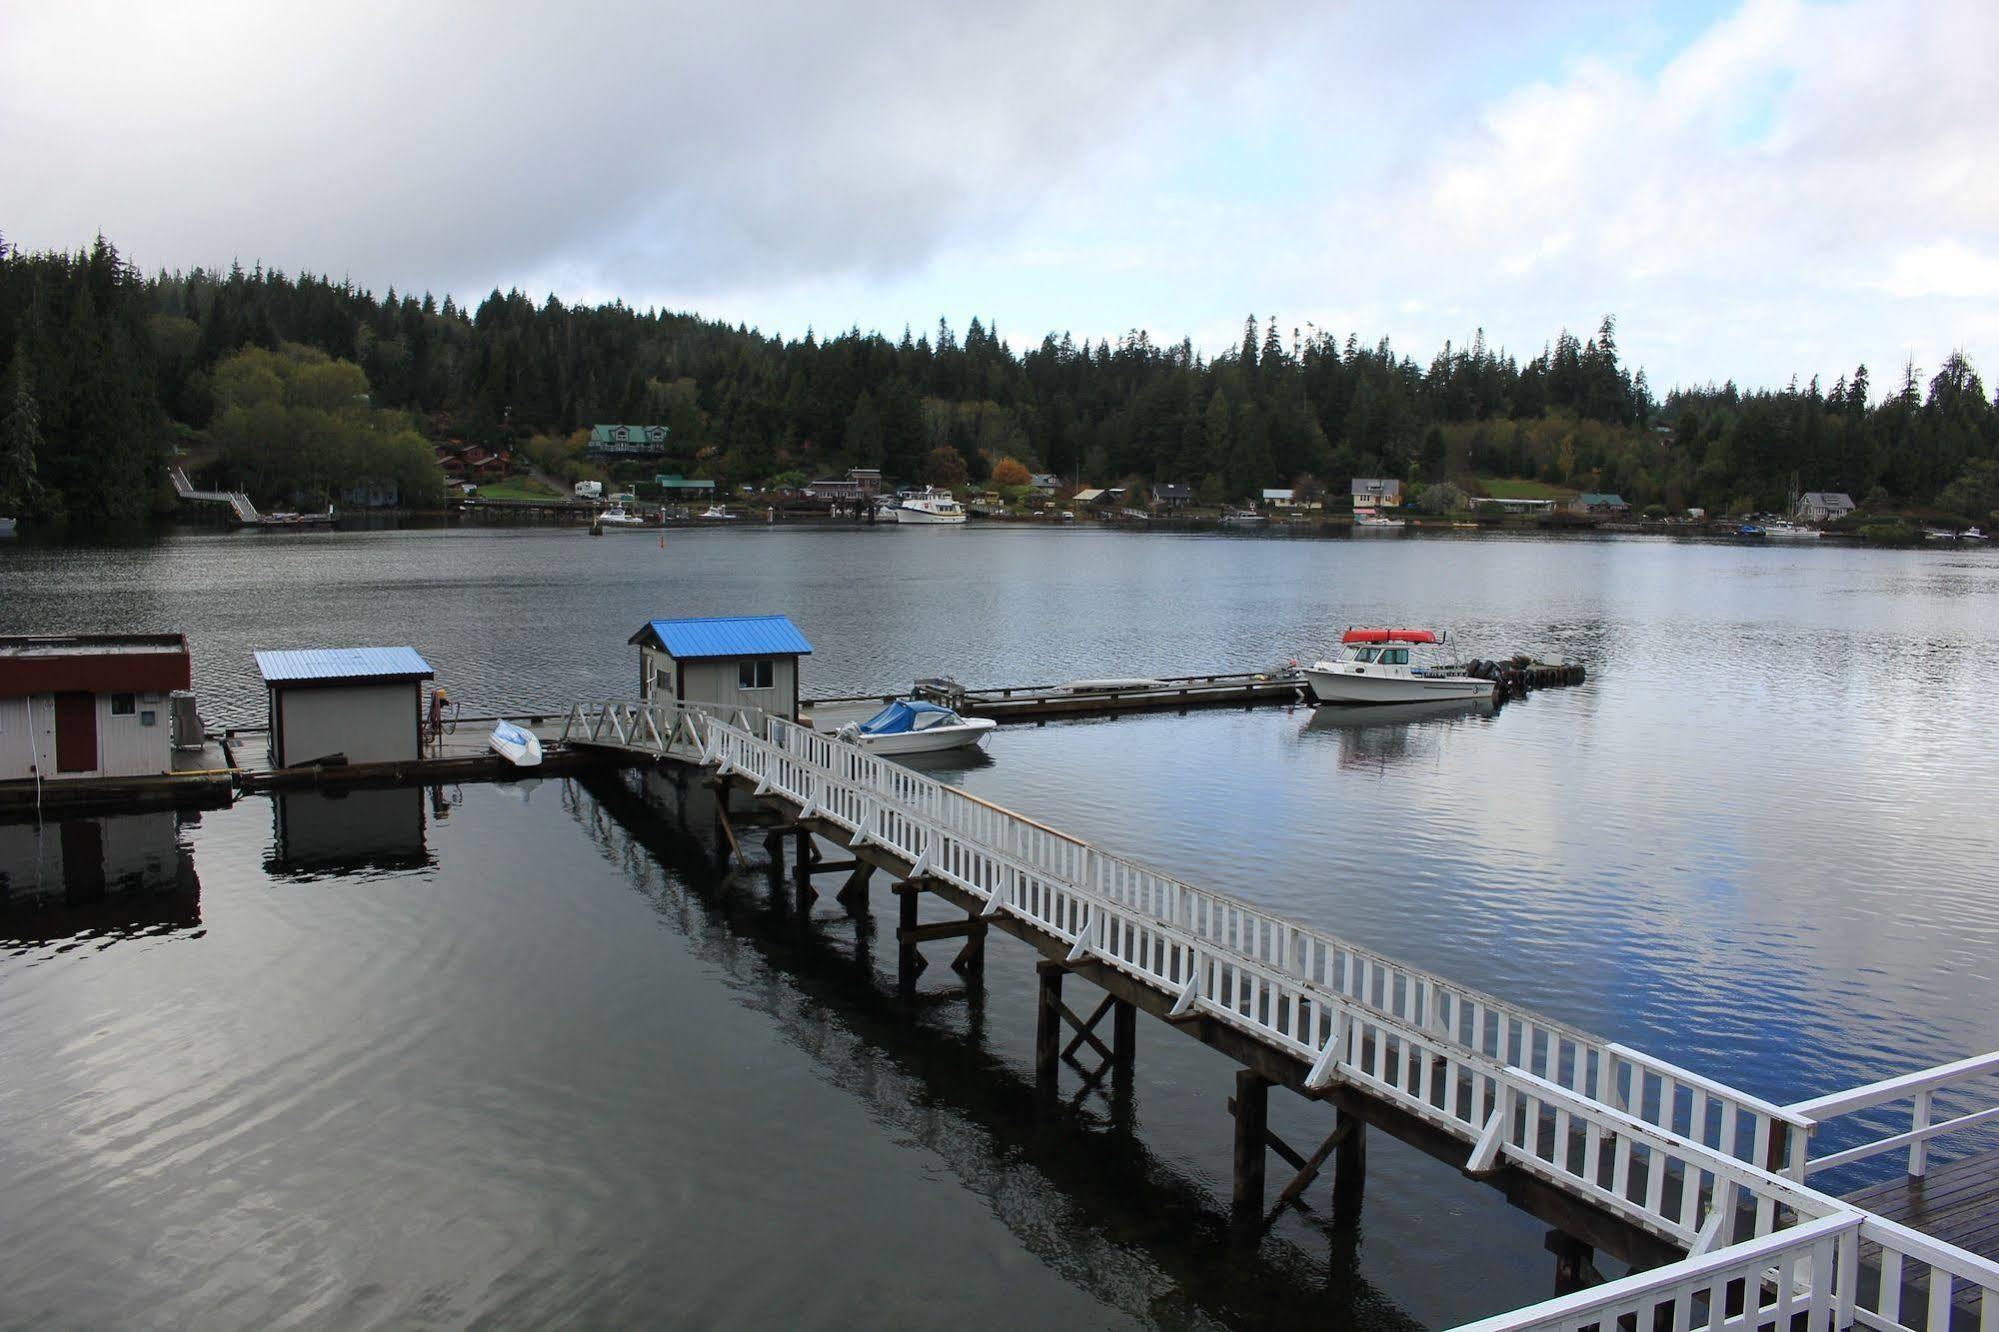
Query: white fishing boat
{"type": "Point", "coordinates": [1390, 666]}
{"type": "Point", "coordinates": [1783, 530]}
{"type": "Point", "coordinates": [932, 506]}
{"type": "Point", "coordinates": [620, 517]}
{"type": "Point", "coordinates": [1244, 518]}
{"type": "Point", "coordinates": [1368, 520]}
{"type": "Point", "coordinates": [1968, 534]}
{"type": "Point", "coordinates": [516, 744]}
{"type": "Point", "coordinates": [715, 513]}
{"type": "Point", "coordinates": [911, 727]}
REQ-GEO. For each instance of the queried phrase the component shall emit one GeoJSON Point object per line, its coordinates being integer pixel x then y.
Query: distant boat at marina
{"type": "Point", "coordinates": [1939, 534]}
{"type": "Point", "coordinates": [1971, 534]}
{"type": "Point", "coordinates": [1370, 520]}
{"type": "Point", "coordinates": [618, 516]}
{"type": "Point", "coordinates": [1784, 530]}
{"type": "Point", "coordinates": [1387, 666]}
{"type": "Point", "coordinates": [715, 513]}
{"type": "Point", "coordinates": [933, 506]}
{"type": "Point", "coordinates": [1243, 518]}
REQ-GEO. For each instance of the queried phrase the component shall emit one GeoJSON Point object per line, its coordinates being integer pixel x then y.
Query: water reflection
{"type": "Point", "coordinates": [1393, 732]}
{"type": "Point", "coordinates": [108, 877]}
{"type": "Point", "coordinates": [1081, 1190]}
{"type": "Point", "coordinates": [342, 832]}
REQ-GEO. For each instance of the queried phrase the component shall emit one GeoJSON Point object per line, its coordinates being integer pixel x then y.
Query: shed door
{"type": "Point", "coordinates": [76, 733]}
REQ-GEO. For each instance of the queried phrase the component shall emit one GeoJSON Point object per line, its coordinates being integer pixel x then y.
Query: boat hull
{"type": "Point", "coordinates": [972, 731]}
{"type": "Point", "coordinates": [923, 518]}
{"type": "Point", "coordinates": [1344, 688]}
{"type": "Point", "coordinates": [516, 745]}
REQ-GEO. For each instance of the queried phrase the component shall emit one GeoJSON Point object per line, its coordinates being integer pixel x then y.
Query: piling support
{"type": "Point", "coordinates": [1349, 1170]}
{"type": "Point", "coordinates": [1252, 1127]}
{"type": "Point", "coordinates": [1048, 1032]}
{"type": "Point", "coordinates": [1575, 1263]}
{"type": "Point", "coordinates": [909, 961]}
{"type": "Point", "coordinates": [1124, 1038]}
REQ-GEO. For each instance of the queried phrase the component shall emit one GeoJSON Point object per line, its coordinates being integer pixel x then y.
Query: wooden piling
{"type": "Point", "coordinates": [1048, 1031]}
{"type": "Point", "coordinates": [1252, 1127]}
{"type": "Point", "coordinates": [1349, 1169]}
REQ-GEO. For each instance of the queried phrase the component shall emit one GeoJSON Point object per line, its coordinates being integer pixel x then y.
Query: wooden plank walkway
{"type": "Point", "coordinates": [1957, 1203]}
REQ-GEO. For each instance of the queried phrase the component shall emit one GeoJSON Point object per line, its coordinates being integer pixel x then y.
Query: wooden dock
{"type": "Point", "coordinates": [1957, 1203]}
{"type": "Point", "coordinates": [1698, 1184]}
{"type": "Point", "coordinates": [1043, 702]}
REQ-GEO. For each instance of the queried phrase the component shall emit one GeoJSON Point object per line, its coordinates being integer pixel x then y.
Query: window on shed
{"type": "Point", "coordinates": [124, 705]}
{"type": "Point", "coordinates": [760, 674]}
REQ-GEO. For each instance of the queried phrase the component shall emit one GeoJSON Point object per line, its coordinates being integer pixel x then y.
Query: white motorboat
{"type": "Point", "coordinates": [516, 744]}
{"type": "Point", "coordinates": [932, 506]}
{"type": "Point", "coordinates": [715, 513]}
{"type": "Point", "coordinates": [1939, 534]}
{"type": "Point", "coordinates": [911, 727]}
{"type": "Point", "coordinates": [1244, 518]}
{"type": "Point", "coordinates": [619, 516]}
{"type": "Point", "coordinates": [1968, 534]}
{"type": "Point", "coordinates": [1368, 520]}
{"type": "Point", "coordinates": [1782, 530]}
{"type": "Point", "coordinates": [1390, 666]}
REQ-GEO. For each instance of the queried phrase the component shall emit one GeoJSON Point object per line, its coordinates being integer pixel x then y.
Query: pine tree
{"type": "Point", "coordinates": [20, 440]}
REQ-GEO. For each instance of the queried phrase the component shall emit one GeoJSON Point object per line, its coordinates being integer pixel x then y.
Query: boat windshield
{"type": "Point", "coordinates": [904, 716]}
{"type": "Point", "coordinates": [1361, 653]}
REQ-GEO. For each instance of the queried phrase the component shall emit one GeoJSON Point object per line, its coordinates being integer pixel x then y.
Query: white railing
{"type": "Point", "coordinates": [1767, 1282]}
{"type": "Point", "coordinates": [1682, 1156]}
{"type": "Point", "coordinates": [1611, 1124]}
{"type": "Point", "coordinates": [1925, 1285]}
{"type": "Point", "coordinates": [1920, 1090]}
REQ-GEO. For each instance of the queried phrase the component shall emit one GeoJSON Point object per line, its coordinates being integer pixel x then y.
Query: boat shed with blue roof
{"type": "Point", "coordinates": [351, 705]}
{"type": "Point", "coordinates": [746, 661]}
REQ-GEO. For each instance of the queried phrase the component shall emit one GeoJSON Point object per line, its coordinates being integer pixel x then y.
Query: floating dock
{"type": "Point", "coordinates": [1095, 697]}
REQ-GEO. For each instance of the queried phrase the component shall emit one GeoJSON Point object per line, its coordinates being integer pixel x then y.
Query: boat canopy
{"type": "Point", "coordinates": [906, 715]}
{"type": "Point", "coordinates": [1390, 636]}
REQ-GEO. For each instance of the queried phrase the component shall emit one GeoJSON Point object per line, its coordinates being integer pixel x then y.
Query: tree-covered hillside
{"type": "Point", "coordinates": [111, 365]}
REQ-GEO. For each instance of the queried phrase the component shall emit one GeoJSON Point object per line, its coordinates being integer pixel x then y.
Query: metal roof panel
{"type": "Point", "coordinates": [360, 663]}
{"type": "Point", "coordinates": [731, 636]}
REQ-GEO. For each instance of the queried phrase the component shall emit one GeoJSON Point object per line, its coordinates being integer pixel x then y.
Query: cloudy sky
{"type": "Point", "coordinates": [1756, 189]}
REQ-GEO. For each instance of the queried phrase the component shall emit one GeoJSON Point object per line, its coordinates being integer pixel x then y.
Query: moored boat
{"type": "Point", "coordinates": [933, 507]}
{"type": "Point", "coordinates": [1390, 666]}
{"type": "Point", "coordinates": [1370, 520]}
{"type": "Point", "coordinates": [909, 726]}
{"type": "Point", "coordinates": [620, 517]}
{"type": "Point", "coordinates": [1243, 518]}
{"type": "Point", "coordinates": [715, 513]}
{"type": "Point", "coordinates": [1781, 530]}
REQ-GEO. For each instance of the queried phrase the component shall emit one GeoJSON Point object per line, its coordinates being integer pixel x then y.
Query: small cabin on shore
{"type": "Point", "coordinates": [363, 705]}
{"type": "Point", "coordinates": [89, 705]}
{"type": "Point", "coordinates": [748, 661]}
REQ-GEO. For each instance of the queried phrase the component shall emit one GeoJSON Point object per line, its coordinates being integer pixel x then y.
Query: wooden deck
{"type": "Point", "coordinates": [1957, 1203]}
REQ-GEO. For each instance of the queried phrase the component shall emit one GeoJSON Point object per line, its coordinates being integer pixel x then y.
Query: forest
{"type": "Point", "coordinates": [104, 369]}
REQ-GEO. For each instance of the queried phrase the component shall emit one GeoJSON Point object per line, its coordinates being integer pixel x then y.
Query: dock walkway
{"type": "Point", "coordinates": [1699, 1183]}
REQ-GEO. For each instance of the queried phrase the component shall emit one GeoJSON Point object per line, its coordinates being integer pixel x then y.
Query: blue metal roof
{"type": "Point", "coordinates": [364, 663]}
{"type": "Point", "coordinates": [729, 636]}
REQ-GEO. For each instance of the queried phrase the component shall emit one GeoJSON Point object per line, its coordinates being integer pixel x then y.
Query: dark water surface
{"type": "Point", "coordinates": [511, 1053]}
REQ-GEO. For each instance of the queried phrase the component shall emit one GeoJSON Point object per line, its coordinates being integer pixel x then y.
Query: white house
{"type": "Point", "coordinates": [1376, 492]}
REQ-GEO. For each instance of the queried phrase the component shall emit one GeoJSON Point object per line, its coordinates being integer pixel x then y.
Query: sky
{"type": "Point", "coordinates": [1756, 190]}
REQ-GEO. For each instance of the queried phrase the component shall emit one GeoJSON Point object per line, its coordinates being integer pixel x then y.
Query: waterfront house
{"type": "Point", "coordinates": [1823, 506]}
{"type": "Point", "coordinates": [867, 480]}
{"type": "Point", "coordinates": [1280, 498]}
{"type": "Point", "coordinates": [1045, 483]}
{"type": "Point", "coordinates": [679, 486]}
{"type": "Point", "coordinates": [626, 441]}
{"type": "Point", "coordinates": [1370, 492]}
{"type": "Point", "coordinates": [1599, 504]}
{"type": "Point", "coordinates": [1170, 496]}
{"type": "Point", "coordinates": [746, 661]}
{"type": "Point", "coordinates": [363, 704]}
{"type": "Point", "coordinates": [833, 488]}
{"type": "Point", "coordinates": [89, 705]}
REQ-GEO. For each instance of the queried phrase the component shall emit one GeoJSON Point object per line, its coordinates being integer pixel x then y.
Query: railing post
{"type": "Point", "coordinates": [1919, 1150]}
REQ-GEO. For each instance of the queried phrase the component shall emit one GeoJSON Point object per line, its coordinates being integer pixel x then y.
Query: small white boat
{"type": "Point", "coordinates": [619, 516]}
{"type": "Point", "coordinates": [911, 727]}
{"type": "Point", "coordinates": [1367, 520]}
{"type": "Point", "coordinates": [933, 506]}
{"type": "Point", "coordinates": [1244, 518]}
{"type": "Point", "coordinates": [1968, 534]}
{"type": "Point", "coordinates": [1939, 534]}
{"type": "Point", "coordinates": [715, 513]}
{"type": "Point", "coordinates": [516, 744]}
{"type": "Point", "coordinates": [1781, 530]}
{"type": "Point", "coordinates": [1390, 666]}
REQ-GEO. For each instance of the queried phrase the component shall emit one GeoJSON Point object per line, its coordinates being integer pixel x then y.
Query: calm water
{"type": "Point", "coordinates": [511, 1053]}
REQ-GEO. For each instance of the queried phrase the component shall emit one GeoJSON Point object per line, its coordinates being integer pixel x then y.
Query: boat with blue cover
{"type": "Point", "coordinates": [909, 726]}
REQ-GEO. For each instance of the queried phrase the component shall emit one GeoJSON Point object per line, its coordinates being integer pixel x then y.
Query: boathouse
{"type": "Point", "coordinates": [89, 705]}
{"type": "Point", "coordinates": [746, 661]}
{"type": "Point", "coordinates": [360, 705]}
